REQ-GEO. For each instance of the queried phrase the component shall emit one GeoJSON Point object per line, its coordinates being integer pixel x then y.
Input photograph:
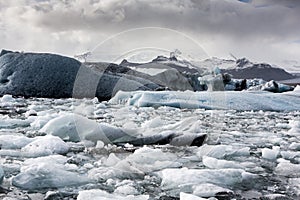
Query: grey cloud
{"type": "Point", "coordinates": [216, 17]}
{"type": "Point", "coordinates": [69, 25]}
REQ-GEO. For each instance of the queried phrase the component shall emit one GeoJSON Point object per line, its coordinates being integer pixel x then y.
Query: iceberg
{"type": "Point", "coordinates": [227, 100]}
{"type": "Point", "coordinates": [62, 77]}
{"type": "Point", "coordinates": [176, 178]}
{"type": "Point", "coordinates": [76, 128]}
{"type": "Point", "coordinates": [14, 141]}
{"type": "Point", "coordinates": [47, 172]}
{"type": "Point", "coordinates": [45, 145]}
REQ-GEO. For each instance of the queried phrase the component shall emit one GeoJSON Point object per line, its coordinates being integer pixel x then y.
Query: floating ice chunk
{"type": "Point", "coordinates": [9, 123]}
{"type": "Point", "coordinates": [135, 165]}
{"type": "Point", "coordinates": [209, 190]}
{"type": "Point", "coordinates": [287, 169]}
{"type": "Point", "coordinates": [47, 175]}
{"type": "Point", "coordinates": [30, 113]}
{"type": "Point", "coordinates": [295, 184]}
{"type": "Point", "coordinates": [295, 127]}
{"type": "Point", "coordinates": [153, 123]}
{"type": "Point", "coordinates": [275, 196]}
{"type": "Point", "coordinates": [84, 109]}
{"type": "Point", "coordinates": [220, 151]}
{"type": "Point", "coordinates": [283, 125]}
{"type": "Point", "coordinates": [46, 145]}
{"type": "Point", "coordinates": [112, 160]}
{"type": "Point", "coordinates": [273, 86]}
{"type": "Point", "coordinates": [66, 127]}
{"type": "Point", "coordinates": [130, 127]}
{"type": "Point", "coordinates": [174, 178]}
{"type": "Point", "coordinates": [214, 163]}
{"type": "Point", "coordinates": [126, 187]}
{"type": "Point", "coordinates": [75, 128]}
{"type": "Point", "coordinates": [289, 155]}
{"type": "Point", "coordinates": [100, 106]}
{"type": "Point", "coordinates": [102, 195]}
{"type": "Point", "coordinates": [186, 196]}
{"type": "Point", "coordinates": [14, 141]}
{"type": "Point", "coordinates": [53, 159]}
{"type": "Point", "coordinates": [7, 98]}
{"type": "Point", "coordinates": [147, 159]}
{"type": "Point", "coordinates": [100, 144]}
{"type": "Point", "coordinates": [126, 190]}
{"type": "Point", "coordinates": [270, 154]}
{"type": "Point", "coordinates": [295, 146]}
{"type": "Point", "coordinates": [42, 119]}
{"type": "Point", "coordinates": [122, 170]}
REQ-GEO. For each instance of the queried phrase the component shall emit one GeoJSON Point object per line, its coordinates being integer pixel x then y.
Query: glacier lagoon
{"type": "Point", "coordinates": [51, 148]}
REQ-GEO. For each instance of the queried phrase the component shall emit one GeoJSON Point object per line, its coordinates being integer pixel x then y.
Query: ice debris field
{"type": "Point", "coordinates": [85, 149]}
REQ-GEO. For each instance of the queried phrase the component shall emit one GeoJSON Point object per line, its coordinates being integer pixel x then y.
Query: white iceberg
{"type": "Point", "coordinates": [229, 100]}
{"type": "Point", "coordinates": [214, 163]}
{"type": "Point", "coordinates": [47, 172]}
{"type": "Point", "coordinates": [176, 178]}
{"type": "Point", "coordinates": [270, 154]}
{"type": "Point", "coordinates": [221, 151]}
{"type": "Point", "coordinates": [46, 145]}
{"type": "Point", "coordinates": [142, 161]}
{"type": "Point", "coordinates": [287, 169]}
{"type": "Point", "coordinates": [14, 141]}
{"type": "Point", "coordinates": [74, 127]}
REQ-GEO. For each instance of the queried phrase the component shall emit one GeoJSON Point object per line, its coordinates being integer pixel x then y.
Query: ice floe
{"type": "Point", "coordinates": [246, 154]}
{"type": "Point", "coordinates": [47, 172]}
{"type": "Point", "coordinates": [46, 145]}
{"type": "Point", "coordinates": [177, 178]}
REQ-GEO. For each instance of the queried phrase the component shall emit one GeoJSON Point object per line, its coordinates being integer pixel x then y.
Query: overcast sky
{"type": "Point", "coordinates": [261, 30]}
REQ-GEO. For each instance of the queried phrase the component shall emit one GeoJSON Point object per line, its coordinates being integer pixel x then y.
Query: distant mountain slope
{"type": "Point", "coordinates": [293, 82]}
{"type": "Point", "coordinates": [244, 69]}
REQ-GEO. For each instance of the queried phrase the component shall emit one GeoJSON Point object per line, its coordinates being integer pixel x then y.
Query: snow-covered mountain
{"type": "Point", "coordinates": [245, 69]}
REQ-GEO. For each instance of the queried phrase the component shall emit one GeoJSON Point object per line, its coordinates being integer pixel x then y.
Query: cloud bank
{"type": "Point", "coordinates": [261, 30]}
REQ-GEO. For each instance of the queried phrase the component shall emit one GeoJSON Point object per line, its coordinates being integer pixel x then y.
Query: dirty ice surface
{"type": "Point", "coordinates": [57, 149]}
